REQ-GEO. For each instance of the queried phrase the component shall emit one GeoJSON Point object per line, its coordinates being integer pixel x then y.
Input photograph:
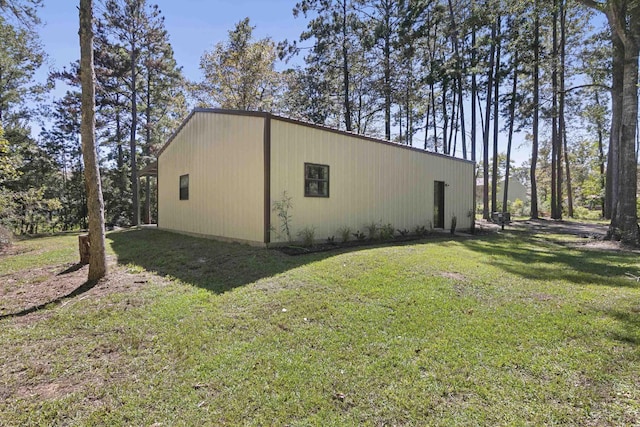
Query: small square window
{"type": "Point", "coordinates": [184, 187]}
{"type": "Point", "coordinates": [316, 180]}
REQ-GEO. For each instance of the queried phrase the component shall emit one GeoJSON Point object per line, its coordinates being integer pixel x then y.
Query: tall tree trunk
{"type": "Point", "coordinates": [613, 160]}
{"type": "Point", "coordinates": [554, 119]}
{"type": "Point", "coordinates": [485, 134]}
{"type": "Point", "coordinates": [386, 52]}
{"type": "Point", "coordinates": [601, 157]}
{"type": "Point", "coordinates": [562, 131]}
{"type": "Point", "coordinates": [496, 120]}
{"type": "Point", "coordinates": [95, 203]}
{"type": "Point", "coordinates": [536, 113]}
{"type": "Point", "coordinates": [624, 225]}
{"type": "Point", "coordinates": [474, 92]}
{"type": "Point", "coordinates": [456, 47]}
{"type": "Point", "coordinates": [512, 119]}
{"type": "Point", "coordinates": [433, 113]}
{"type": "Point", "coordinates": [132, 140]}
{"type": "Point", "coordinates": [345, 70]}
{"type": "Point", "coordinates": [426, 125]}
{"type": "Point", "coordinates": [445, 119]}
{"type": "Point", "coordinates": [147, 150]}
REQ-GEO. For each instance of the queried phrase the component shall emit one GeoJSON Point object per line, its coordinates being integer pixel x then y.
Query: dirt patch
{"type": "Point", "coordinates": [454, 276]}
{"type": "Point", "coordinates": [593, 234]}
{"type": "Point", "coordinates": [27, 292]}
{"type": "Point", "coordinates": [580, 229]}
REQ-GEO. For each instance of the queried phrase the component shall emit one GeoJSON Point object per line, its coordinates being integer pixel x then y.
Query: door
{"type": "Point", "coordinates": [438, 204]}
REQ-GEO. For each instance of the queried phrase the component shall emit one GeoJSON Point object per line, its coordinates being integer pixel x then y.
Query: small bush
{"type": "Point", "coordinates": [517, 208]}
{"type": "Point", "coordinates": [454, 223]}
{"type": "Point", "coordinates": [581, 212]}
{"type": "Point", "coordinates": [403, 232]}
{"type": "Point", "coordinates": [344, 233]}
{"type": "Point", "coordinates": [420, 230]}
{"type": "Point", "coordinates": [372, 230]}
{"type": "Point", "coordinates": [386, 232]}
{"type": "Point", "coordinates": [307, 236]}
{"type": "Point", "coordinates": [359, 235]}
{"type": "Point", "coordinates": [331, 240]}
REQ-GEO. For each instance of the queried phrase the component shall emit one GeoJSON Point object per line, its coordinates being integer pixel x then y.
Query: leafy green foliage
{"type": "Point", "coordinates": [344, 233]}
{"type": "Point", "coordinates": [20, 56]}
{"type": "Point", "coordinates": [307, 236]}
{"type": "Point", "coordinates": [239, 74]}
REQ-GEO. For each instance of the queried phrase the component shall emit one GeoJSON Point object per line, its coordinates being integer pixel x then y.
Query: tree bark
{"type": "Point", "coordinates": [536, 114]}
{"type": "Point", "coordinates": [485, 135]}
{"type": "Point", "coordinates": [496, 120]}
{"type": "Point", "coordinates": [95, 203]}
{"type": "Point", "coordinates": [555, 197]}
{"type": "Point", "coordinates": [512, 119]}
{"type": "Point", "coordinates": [345, 70]}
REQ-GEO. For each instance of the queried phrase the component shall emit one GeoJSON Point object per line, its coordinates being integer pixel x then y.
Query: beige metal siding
{"type": "Point", "coordinates": [369, 182]}
{"type": "Point", "coordinates": [223, 155]}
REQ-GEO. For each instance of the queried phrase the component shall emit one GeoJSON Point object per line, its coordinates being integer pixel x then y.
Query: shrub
{"type": "Point", "coordinates": [420, 230]}
{"type": "Point", "coordinates": [307, 236]}
{"type": "Point", "coordinates": [372, 229]}
{"type": "Point", "coordinates": [454, 223]}
{"type": "Point", "coordinates": [386, 232]}
{"type": "Point", "coordinates": [518, 208]}
{"type": "Point", "coordinates": [359, 236]}
{"type": "Point", "coordinates": [403, 232]}
{"type": "Point", "coordinates": [344, 233]}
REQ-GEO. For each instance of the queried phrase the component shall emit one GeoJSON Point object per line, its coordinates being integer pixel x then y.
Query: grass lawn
{"type": "Point", "coordinates": [507, 329]}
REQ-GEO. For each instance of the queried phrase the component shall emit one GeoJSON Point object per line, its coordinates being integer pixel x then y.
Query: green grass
{"type": "Point", "coordinates": [512, 329]}
{"type": "Point", "coordinates": [41, 251]}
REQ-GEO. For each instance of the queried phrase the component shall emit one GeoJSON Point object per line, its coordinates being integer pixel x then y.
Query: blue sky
{"type": "Point", "coordinates": [193, 25]}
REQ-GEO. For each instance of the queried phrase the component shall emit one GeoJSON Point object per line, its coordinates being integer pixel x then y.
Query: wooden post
{"type": "Point", "coordinates": [83, 246]}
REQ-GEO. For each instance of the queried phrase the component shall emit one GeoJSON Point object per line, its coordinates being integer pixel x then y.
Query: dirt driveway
{"type": "Point", "coordinates": [580, 229]}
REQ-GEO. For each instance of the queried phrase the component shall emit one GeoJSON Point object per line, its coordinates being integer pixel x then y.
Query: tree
{"type": "Point", "coordinates": [335, 30]}
{"type": "Point", "coordinates": [128, 29]}
{"type": "Point", "coordinates": [20, 57]}
{"type": "Point", "coordinates": [240, 74]}
{"type": "Point", "coordinates": [623, 17]}
{"type": "Point", "coordinates": [95, 204]}
{"type": "Point", "coordinates": [8, 161]}
{"type": "Point", "coordinates": [25, 11]}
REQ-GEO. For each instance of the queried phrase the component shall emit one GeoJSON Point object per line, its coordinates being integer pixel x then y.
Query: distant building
{"type": "Point", "coordinates": [517, 190]}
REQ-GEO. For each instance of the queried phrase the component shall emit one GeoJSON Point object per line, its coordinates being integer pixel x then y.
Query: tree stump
{"type": "Point", "coordinates": [83, 246]}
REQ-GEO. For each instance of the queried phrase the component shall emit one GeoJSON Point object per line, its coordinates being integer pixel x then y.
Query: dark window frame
{"type": "Point", "coordinates": [184, 189]}
{"type": "Point", "coordinates": [308, 180]}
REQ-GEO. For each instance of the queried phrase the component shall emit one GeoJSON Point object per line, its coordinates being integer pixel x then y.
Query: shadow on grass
{"type": "Point", "coordinates": [213, 265]}
{"type": "Point", "coordinates": [210, 264]}
{"type": "Point", "coordinates": [86, 286]}
{"type": "Point", "coordinates": [630, 319]}
{"type": "Point", "coordinates": [530, 256]}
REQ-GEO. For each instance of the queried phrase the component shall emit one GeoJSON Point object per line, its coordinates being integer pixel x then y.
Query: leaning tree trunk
{"type": "Point", "coordinates": [95, 204]}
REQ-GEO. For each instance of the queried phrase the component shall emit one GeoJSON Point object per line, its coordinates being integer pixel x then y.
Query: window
{"type": "Point", "coordinates": [184, 187]}
{"type": "Point", "coordinates": [316, 180]}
